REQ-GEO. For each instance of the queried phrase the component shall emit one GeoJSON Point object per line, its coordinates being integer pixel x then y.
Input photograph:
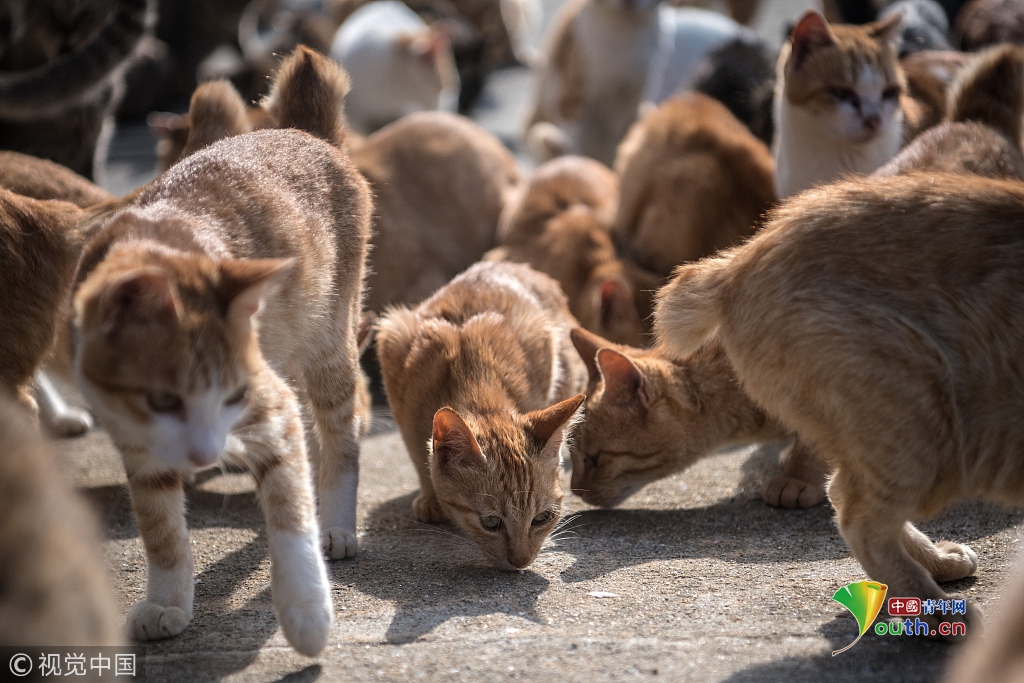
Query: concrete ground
{"type": "Point", "coordinates": [693, 579]}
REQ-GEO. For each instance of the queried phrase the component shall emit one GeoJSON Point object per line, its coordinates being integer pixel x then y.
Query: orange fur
{"type": "Point", "coordinates": [471, 375]}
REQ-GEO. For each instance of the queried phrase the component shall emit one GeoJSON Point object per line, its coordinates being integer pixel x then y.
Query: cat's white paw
{"type": "Point", "coordinates": [339, 544]}
{"type": "Point", "coordinates": [956, 561]}
{"type": "Point", "coordinates": [787, 492]}
{"type": "Point", "coordinates": [307, 627]}
{"type": "Point", "coordinates": [69, 422]}
{"type": "Point", "coordinates": [426, 509]}
{"type": "Point", "coordinates": [150, 621]}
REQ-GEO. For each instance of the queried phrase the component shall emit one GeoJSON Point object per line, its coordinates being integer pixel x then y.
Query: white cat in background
{"type": "Point", "coordinates": [398, 65]}
{"type": "Point", "coordinates": [606, 57]}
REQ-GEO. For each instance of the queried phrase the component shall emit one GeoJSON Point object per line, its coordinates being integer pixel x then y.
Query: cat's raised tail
{"type": "Point", "coordinates": [688, 310]}
{"type": "Point", "coordinates": [216, 111]}
{"type": "Point", "coordinates": [991, 91]}
{"type": "Point", "coordinates": [308, 94]}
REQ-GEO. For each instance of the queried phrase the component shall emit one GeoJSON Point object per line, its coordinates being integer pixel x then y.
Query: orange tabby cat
{"type": "Point", "coordinates": [56, 590]}
{"type": "Point", "coordinates": [982, 132]}
{"type": "Point", "coordinates": [649, 416]}
{"type": "Point", "coordinates": [212, 311]}
{"type": "Point", "coordinates": [694, 180]}
{"type": "Point", "coordinates": [559, 222]}
{"type": "Point", "coordinates": [440, 182]}
{"type": "Point", "coordinates": [837, 102]}
{"type": "Point", "coordinates": [471, 375]}
{"type": "Point", "coordinates": [882, 319]}
{"type": "Point", "coordinates": [39, 247]}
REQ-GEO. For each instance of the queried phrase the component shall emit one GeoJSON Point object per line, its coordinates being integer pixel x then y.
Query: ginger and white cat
{"type": "Point", "coordinates": [982, 130]}
{"type": "Point", "coordinates": [398, 65]}
{"type": "Point", "coordinates": [882, 320]}
{"type": "Point", "coordinates": [214, 311]}
{"type": "Point", "coordinates": [440, 183]}
{"type": "Point", "coordinates": [485, 388]}
{"type": "Point", "coordinates": [649, 416]}
{"type": "Point", "coordinates": [56, 589]}
{"type": "Point", "coordinates": [603, 59]}
{"type": "Point", "coordinates": [837, 102]}
{"type": "Point", "coordinates": [693, 180]}
{"type": "Point", "coordinates": [559, 223]}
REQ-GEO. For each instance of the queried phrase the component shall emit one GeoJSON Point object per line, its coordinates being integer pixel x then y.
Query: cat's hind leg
{"type": "Point", "coordinates": [891, 550]}
{"type": "Point", "coordinates": [802, 482]}
{"type": "Point", "coordinates": [159, 503]}
{"type": "Point", "coordinates": [336, 395]}
{"type": "Point", "coordinates": [275, 453]}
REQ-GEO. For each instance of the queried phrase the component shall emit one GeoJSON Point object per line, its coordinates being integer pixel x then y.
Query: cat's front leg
{"type": "Point", "coordinates": [802, 482]}
{"type": "Point", "coordinates": [276, 454]}
{"type": "Point", "coordinates": [159, 503]}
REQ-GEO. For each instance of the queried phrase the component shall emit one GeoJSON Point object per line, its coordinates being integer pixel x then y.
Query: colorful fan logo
{"type": "Point", "coordinates": [864, 599]}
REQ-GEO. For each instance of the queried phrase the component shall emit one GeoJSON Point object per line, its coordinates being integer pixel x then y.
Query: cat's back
{"type": "Point", "coordinates": [43, 179]}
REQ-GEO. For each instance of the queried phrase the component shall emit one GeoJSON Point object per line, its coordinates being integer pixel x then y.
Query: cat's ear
{"type": "Point", "coordinates": [139, 296]}
{"type": "Point", "coordinates": [888, 30]}
{"type": "Point", "coordinates": [550, 424]}
{"type": "Point", "coordinates": [623, 381]}
{"type": "Point", "coordinates": [616, 302]}
{"type": "Point", "coordinates": [245, 282]}
{"type": "Point", "coordinates": [453, 443]}
{"type": "Point", "coordinates": [811, 33]}
{"type": "Point", "coordinates": [587, 343]}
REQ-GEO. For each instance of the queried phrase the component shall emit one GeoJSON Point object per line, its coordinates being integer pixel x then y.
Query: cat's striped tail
{"type": "Point", "coordinates": [309, 94]}
{"type": "Point", "coordinates": [688, 310]}
{"type": "Point", "coordinates": [80, 74]}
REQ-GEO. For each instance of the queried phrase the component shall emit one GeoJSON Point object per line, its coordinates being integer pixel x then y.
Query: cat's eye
{"type": "Point", "coordinates": [843, 94]}
{"type": "Point", "coordinates": [491, 522]}
{"type": "Point", "coordinates": [163, 401]}
{"type": "Point", "coordinates": [543, 518]}
{"type": "Point", "coordinates": [891, 93]}
{"type": "Point", "coordinates": [238, 396]}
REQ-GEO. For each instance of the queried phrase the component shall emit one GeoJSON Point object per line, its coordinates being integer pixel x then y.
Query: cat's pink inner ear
{"type": "Point", "coordinates": [623, 380]}
{"type": "Point", "coordinates": [139, 296]}
{"type": "Point", "coordinates": [453, 443]}
{"type": "Point", "coordinates": [614, 296]}
{"type": "Point", "coordinates": [244, 283]}
{"type": "Point", "coordinates": [810, 33]}
{"type": "Point", "coordinates": [547, 422]}
{"type": "Point", "coordinates": [587, 343]}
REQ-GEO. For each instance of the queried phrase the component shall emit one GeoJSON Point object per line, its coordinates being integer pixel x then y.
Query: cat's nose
{"type": "Point", "coordinates": [519, 561]}
{"type": "Point", "coordinates": [203, 457]}
{"type": "Point", "coordinates": [873, 122]}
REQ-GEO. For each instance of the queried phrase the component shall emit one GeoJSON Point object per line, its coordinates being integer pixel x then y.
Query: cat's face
{"type": "Point", "coordinates": [165, 353]}
{"type": "Point", "coordinates": [498, 478]}
{"type": "Point", "coordinates": [845, 79]}
{"type": "Point", "coordinates": [631, 437]}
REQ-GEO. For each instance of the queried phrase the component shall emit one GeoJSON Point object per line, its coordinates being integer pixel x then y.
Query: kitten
{"type": "Point", "coordinates": [397, 63]}
{"type": "Point", "coordinates": [983, 23]}
{"type": "Point", "coordinates": [243, 265]}
{"type": "Point", "coordinates": [56, 590]}
{"type": "Point", "coordinates": [481, 379]}
{"type": "Point", "coordinates": [694, 180]}
{"type": "Point", "coordinates": [881, 319]}
{"type": "Point", "coordinates": [837, 105]}
{"type": "Point", "coordinates": [45, 180]}
{"type": "Point", "coordinates": [603, 58]}
{"type": "Point", "coordinates": [559, 223]}
{"type": "Point", "coordinates": [649, 416]}
{"type": "Point", "coordinates": [982, 133]}
{"type": "Point", "coordinates": [440, 182]}
{"type": "Point", "coordinates": [63, 65]}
